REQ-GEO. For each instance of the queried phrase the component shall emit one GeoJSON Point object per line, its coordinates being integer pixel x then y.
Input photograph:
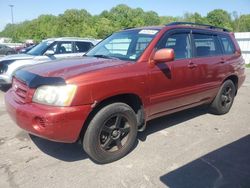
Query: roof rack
{"type": "Point", "coordinates": [127, 28]}
{"type": "Point", "coordinates": [197, 24]}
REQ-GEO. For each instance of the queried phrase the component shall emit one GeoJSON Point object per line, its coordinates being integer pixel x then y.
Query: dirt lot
{"type": "Point", "coordinates": [188, 149]}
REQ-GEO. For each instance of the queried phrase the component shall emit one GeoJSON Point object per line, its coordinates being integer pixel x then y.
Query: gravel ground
{"type": "Point", "coordinates": [188, 149]}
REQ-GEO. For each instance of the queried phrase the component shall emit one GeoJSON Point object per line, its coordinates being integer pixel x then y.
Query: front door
{"type": "Point", "coordinates": [171, 82]}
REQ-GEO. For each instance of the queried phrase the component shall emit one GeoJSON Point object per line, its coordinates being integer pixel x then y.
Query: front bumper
{"type": "Point", "coordinates": [62, 124]}
{"type": "Point", "coordinates": [5, 79]}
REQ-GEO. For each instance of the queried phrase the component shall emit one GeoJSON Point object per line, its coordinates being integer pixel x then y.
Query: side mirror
{"type": "Point", "coordinates": [49, 53]}
{"type": "Point", "coordinates": [163, 55]}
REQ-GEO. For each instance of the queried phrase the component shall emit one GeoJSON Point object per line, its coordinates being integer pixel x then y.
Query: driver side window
{"type": "Point", "coordinates": [180, 43]}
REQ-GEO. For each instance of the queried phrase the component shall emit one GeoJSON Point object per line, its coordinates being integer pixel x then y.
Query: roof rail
{"type": "Point", "coordinates": [126, 28]}
{"type": "Point", "coordinates": [197, 24]}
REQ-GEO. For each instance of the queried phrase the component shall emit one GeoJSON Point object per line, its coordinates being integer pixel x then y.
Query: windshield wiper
{"type": "Point", "coordinates": [104, 56]}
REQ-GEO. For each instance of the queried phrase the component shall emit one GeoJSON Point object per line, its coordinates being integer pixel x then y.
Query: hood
{"type": "Point", "coordinates": [17, 57]}
{"type": "Point", "coordinates": [69, 68]}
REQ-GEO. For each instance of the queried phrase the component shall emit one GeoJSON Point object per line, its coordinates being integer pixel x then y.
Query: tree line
{"type": "Point", "coordinates": [80, 23]}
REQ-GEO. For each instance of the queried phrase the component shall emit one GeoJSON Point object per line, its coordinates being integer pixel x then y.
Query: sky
{"type": "Point", "coordinates": [30, 9]}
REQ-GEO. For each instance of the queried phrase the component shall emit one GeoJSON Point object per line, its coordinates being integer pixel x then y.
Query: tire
{"type": "Point", "coordinates": [224, 98]}
{"type": "Point", "coordinates": [111, 134]}
{"type": "Point", "coordinates": [8, 53]}
{"type": "Point", "coordinates": [5, 87]}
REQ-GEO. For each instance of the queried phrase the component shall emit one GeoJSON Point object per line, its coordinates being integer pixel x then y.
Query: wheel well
{"type": "Point", "coordinates": [132, 100]}
{"type": "Point", "coordinates": [234, 80]}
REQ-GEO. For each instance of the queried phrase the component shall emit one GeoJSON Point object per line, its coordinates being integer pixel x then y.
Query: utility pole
{"type": "Point", "coordinates": [12, 17]}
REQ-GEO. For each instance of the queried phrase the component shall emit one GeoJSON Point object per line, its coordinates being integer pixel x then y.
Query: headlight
{"type": "Point", "coordinates": [55, 95]}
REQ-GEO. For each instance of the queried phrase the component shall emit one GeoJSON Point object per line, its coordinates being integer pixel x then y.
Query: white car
{"type": "Point", "coordinates": [47, 50]}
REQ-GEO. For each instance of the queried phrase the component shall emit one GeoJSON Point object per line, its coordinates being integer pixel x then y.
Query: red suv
{"type": "Point", "coordinates": [131, 77]}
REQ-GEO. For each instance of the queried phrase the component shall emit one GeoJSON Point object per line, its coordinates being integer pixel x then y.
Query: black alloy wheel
{"type": "Point", "coordinates": [111, 134]}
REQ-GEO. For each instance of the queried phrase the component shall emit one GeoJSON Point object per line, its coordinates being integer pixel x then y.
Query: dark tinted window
{"type": "Point", "coordinates": [180, 43]}
{"type": "Point", "coordinates": [205, 45]}
{"type": "Point", "coordinates": [227, 45]}
{"type": "Point", "coordinates": [83, 46]}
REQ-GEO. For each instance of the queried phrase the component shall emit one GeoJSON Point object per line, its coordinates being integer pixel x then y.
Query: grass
{"type": "Point", "coordinates": [248, 65]}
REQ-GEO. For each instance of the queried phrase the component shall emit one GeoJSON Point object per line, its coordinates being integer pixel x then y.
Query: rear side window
{"type": "Point", "coordinates": [83, 46]}
{"type": "Point", "coordinates": [205, 45]}
{"type": "Point", "coordinates": [227, 45]}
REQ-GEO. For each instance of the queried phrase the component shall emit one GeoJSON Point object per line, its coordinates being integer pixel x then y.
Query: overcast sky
{"type": "Point", "coordinates": [30, 9]}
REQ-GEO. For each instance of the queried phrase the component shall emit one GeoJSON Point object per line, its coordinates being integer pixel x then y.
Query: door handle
{"type": "Point", "coordinates": [222, 61]}
{"type": "Point", "coordinates": [192, 65]}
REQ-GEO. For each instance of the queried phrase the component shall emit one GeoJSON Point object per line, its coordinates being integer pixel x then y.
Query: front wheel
{"type": "Point", "coordinates": [224, 99]}
{"type": "Point", "coordinates": [111, 134]}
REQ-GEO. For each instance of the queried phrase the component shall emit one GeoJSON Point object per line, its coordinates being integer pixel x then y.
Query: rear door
{"type": "Point", "coordinates": [208, 57]}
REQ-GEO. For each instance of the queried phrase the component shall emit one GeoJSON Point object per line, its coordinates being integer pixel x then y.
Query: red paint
{"type": "Point", "coordinates": [162, 87]}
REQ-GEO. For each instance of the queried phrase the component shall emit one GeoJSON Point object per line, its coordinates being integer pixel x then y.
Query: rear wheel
{"type": "Point", "coordinates": [111, 134]}
{"type": "Point", "coordinates": [224, 99]}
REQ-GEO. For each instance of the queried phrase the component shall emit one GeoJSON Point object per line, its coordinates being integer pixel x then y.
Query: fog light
{"type": "Point", "coordinates": [39, 123]}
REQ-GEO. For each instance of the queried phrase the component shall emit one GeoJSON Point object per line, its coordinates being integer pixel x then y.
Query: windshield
{"type": "Point", "coordinates": [125, 45]}
{"type": "Point", "coordinates": [40, 48]}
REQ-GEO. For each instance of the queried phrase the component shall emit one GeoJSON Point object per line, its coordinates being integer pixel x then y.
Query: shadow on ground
{"type": "Point", "coordinates": [172, 120]}
{"type": "Point", "coordinates": [74, 152]}
{"type": "Point", "coordinates": [61, 151]}
{"type": "Point", "coordinates": [226, 167]}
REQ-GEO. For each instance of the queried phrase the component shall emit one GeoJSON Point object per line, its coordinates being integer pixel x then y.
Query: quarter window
{"type": "Point", "coordinates": [205, 45]}
{"type": "Point", "coordinates": [227, 45]}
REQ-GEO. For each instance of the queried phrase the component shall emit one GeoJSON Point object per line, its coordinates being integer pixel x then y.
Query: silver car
{"type": "Point", "coordinates": [47, 50]}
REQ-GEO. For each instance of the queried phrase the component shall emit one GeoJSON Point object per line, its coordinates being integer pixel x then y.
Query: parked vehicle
{"type": "Point", "coordinates": [129, 78]}
{"type": "Point", "coordinates": [6, 50]}
{"type": "Point", "coordinates": [47, 50]}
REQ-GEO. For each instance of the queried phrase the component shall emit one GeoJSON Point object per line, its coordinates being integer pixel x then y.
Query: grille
{"type": "Point", "coordinates": [20, 90]}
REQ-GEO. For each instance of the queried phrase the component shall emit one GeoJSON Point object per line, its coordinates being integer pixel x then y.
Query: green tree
{"type": "Point", "coordinates": [244, 23]}
{"type": "Point", "coordinates": [220, 18]}
{"type": "Point", "coordinates": [80, 23]}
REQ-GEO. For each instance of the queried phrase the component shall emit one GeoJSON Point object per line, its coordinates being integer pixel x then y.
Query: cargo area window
{"type": "Point", "coordinates": [227, 45]}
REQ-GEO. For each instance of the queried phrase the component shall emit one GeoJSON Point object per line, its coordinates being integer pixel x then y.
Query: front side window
{"type": "Point", "coordinates": [227, 45]}
{"type": "Point", "coordinates": [205, 45]}
{"type": "Point", "coordinates": [61, 47]}
{"type": "Point", "coordinates": [180, 43]}
{"type": "Point", "coordinates": [124, 45]}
